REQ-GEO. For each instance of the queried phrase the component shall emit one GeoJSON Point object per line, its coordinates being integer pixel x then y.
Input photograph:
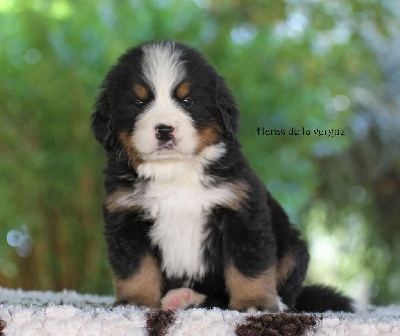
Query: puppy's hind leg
{"type": "Point", "coordinates": [291, 272]}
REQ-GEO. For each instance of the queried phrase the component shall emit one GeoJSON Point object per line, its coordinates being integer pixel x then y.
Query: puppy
{"type": "Point", "coordinates": [187, 221]}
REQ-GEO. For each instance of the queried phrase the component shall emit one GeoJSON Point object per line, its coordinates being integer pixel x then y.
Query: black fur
{"type": "Point", "coordinates": [254, 238]}
{"type": "Point", "coordinates": [321, 298]}
{"type": "Point", "coordinates": [228, 110]}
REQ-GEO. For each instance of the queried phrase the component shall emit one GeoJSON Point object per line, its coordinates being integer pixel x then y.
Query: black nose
{"type": "Point", "coordinates": [164, 132]}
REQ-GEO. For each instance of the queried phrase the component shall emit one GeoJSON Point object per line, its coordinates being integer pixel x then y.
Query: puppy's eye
{"type": "Point", "coordinates": [139, 103]}
{"type": "Point", "coordinates": [187, 101]}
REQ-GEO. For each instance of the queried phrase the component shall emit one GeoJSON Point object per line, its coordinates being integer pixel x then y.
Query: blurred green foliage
{"type": "Point", "coordinates": [291, 64]}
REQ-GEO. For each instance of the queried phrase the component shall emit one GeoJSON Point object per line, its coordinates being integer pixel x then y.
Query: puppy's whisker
{"type": "Point", "coordinates": [119, 153]}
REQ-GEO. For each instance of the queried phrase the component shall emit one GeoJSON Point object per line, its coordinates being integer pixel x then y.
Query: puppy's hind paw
{"type": "Point", "coordinates": [182, 298]}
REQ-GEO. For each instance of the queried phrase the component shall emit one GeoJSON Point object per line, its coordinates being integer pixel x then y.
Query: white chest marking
{"type": "Point", "coordinates": [180, 206]}
{"type": "Point", "coordinates": [180, 213]}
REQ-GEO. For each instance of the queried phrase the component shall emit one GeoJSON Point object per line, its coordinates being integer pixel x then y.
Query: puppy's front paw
{"type": "Point", "coordinates": [280, 308]}
{"type": "Point", "coordinates": [254, 305]}
{"type": "Point", "coordinates": [182, 298]}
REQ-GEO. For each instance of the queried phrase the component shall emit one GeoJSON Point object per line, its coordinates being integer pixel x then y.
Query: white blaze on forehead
{"type": "Point", "coordinates": [164, 70]}
{"type": "Point", "coordinates": [162, 67]}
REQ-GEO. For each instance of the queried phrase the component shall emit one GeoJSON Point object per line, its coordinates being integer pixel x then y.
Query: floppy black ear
{"type": "Point", "coordinates": [229, 113]}
{"type": "Point", "coordinates": [101, 121]}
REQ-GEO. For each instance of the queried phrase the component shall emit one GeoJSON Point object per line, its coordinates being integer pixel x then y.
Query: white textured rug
{"type": "Point", "coordinates": [36, 313]}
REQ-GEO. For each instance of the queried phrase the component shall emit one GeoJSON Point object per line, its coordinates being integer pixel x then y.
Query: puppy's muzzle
{"type": "Point", "coordinates": [165, 136]}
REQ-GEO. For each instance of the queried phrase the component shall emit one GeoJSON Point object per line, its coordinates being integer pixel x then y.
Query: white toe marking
{"type": "Point", "coordinates": [281, 306]}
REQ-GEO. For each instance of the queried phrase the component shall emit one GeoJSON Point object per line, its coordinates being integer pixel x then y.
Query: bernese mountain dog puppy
{"type": "Point", "coordinates": [187, 221]}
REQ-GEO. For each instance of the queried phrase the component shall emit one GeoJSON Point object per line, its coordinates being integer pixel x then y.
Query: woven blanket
{"type": "Point", "coordinates": [36, 313]}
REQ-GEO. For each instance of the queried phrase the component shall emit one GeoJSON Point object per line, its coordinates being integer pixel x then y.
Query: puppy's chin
{"type": "Point", "coordinates": [166, 154]}
{"type": "Point", "coordinates": [171, 166]}
{"type": "Point", "coordinates": [207, 154]}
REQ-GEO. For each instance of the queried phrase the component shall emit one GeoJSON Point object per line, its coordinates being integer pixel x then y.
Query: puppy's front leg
{"type": "Point", "coordinates": [250, 262]}
{"type": "Point", "coordinates": [137, 273]}
{"type": "Point", "coordinates": [251, 293]}
{"type": "Point", "coordinates": [143, 288]}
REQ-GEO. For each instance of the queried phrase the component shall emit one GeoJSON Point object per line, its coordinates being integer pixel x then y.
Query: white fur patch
{"type": "Point", "coordinates": [281, 306]}
{"type": "Point", "coordinates": [162, 67]}
{"type": "Point", "coordinates": [163, 71]}
{"type": "Point", "coordinates": [180, 166]}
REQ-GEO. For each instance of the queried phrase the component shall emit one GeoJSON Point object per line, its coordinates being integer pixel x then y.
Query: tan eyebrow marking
{"type": "Point", "coordinates": [183, 90]}
{"type": "Point", "coordinates": [141, 91]}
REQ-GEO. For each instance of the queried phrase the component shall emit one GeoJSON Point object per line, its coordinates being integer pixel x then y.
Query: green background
{"type": "Point", "coordinates": [327, 65]}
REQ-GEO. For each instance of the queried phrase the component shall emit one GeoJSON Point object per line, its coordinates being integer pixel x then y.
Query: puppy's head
{"type": "Point", "coordinates": [163, 101]}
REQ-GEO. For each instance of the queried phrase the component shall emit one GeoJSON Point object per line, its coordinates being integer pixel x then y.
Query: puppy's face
{"type": "Point", "coordinates": [172, 116]}
{"type": "Point", "coordinates": [163, 101]}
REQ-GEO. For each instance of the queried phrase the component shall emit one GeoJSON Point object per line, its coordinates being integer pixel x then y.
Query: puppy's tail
{"type": "Point", "coordinates": [318, 298]}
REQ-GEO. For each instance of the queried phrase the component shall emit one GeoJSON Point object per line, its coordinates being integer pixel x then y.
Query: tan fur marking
{"type": "Point", "coordinates": [241, 192]}
{"type": "Point", "coordinates": [208, 136]}
{"type": "Point", "coordinates": [183, 90]}
{"type": "Point", "coordinates": [141, 92]}
{"type": "Point", "coordinates": [123, 199]}
{"type": "Point", "coordinates": [120, 200]}
{"type": "Point", "coordinates": [247, 293]}
{"type": "Point", "coordinates": [284, 268]}
{"type": "Point", "coordinates": [144, 287]}
{"type": "Point", "coordinates": [130, 149]}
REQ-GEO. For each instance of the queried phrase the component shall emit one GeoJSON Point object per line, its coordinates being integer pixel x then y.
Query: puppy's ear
{"type": "Point", "coordinates": [101, 121]}
{"type": "Point", "coordinates": [227, 108]}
